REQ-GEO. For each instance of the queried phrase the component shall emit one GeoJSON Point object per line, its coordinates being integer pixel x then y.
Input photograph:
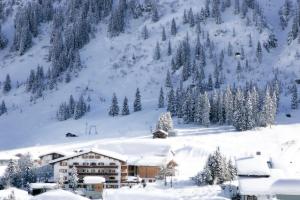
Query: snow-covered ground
{"type": "Point", "coordinates": [110, 67]}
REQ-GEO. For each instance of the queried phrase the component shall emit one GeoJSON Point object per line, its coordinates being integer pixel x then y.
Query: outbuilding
{"type": "Point", "coordinates": [160, 134]}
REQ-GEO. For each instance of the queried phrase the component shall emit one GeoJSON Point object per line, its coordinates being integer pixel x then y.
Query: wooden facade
{"type": "Point", "coordinates": [148, 173]}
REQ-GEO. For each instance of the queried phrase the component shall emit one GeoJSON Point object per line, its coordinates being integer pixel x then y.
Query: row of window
{"type": "Point", "coordinates": [88, 164]}
{"type": "Point", "coordinates": [96, 171]}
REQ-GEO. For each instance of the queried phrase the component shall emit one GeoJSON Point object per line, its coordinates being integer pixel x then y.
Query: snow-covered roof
{"type": "Point", "coordinates": [286, 187]}
{"type": "Point", "coordinates": [133, 179]}
{"type": "Point", "coordinates": [4, 156]}
{"type": "Point", "coordinates": [58, 194]}
{"type": "Point", "coordinates": [147, 161]}
{"type": "Point", "coordinates": [52, 152]}
{"type": "Point", "coordinates": [19, 194]}
{"type": "Point", "coordinates": [110, 154]}
{"type": "Point", "coordinates": [255, 186]}
{"type": "Point", "coordinates": [93, 180]}
{"type": "Point", "coordinates": [2, 170]}
{"type": "Point", "coordinates": [161, 131]}
{"type": "Point", "coordinates": [43, 185]}
{"type": "Point", "coordinates": [252, 166]}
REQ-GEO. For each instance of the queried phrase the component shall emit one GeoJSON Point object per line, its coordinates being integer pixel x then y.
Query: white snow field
{"type": "Point", "coordinates": [126, 62]}
{"type": "Point", "coordinates": [191, 147]}
{"type": "Point", "coordinates": [110, 67]}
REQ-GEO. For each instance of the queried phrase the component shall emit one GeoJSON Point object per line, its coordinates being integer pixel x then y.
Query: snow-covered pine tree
{"type": "Point", "coordinates": [157, 55]}
{"type": "Point", "coordinates": [3, 108]}
{"type": "Point", "coordinates": [250, 120]}
{"type": "Point", "coordinates": [10, 174]}
{"type": "Point", "coordinates": [114, 108]}
{"type": "Point", "coordinates": [259, 54]}
{"type": "Point", "coordinates": [63, 112]}
{"type": "Point", "coordinates": [163, 34]}
{"type": "Point", "coordinates": [210, 83]}
{"type": "Point", "coordinates": [294, 97]}
{"type": "Point", "coordinates": [185, 17]}
{"type": "Point", "coordinates": [232, 172]}
{"type": "Point", "coordinates": [3, 40]}
{"type": "Point", "coordinates": [7, 84]}
{"type": "Point", "coordinates": [228, 103]}
{"type": "Point", "coordinates": [173, 27]}
{"type": "Point", "coordinates": [191, 18]}
{"type": "Point", "coordinates": [171, 107]}
{"type": "Point", "coordinates": [169, 49]}
{"type": "Point", "coordinates": [80, 108]}
{"type": "Point", "coordinates": [161, 99]}
{"type": "Point", "coordinates": [165, 122]}
{"type": "Point", "coordinates": [168, 82]}
{"type": "Point", "coordinates": [155, 15]}
{"type": "Point", "coordinates": [137, 104]}
{"type": "Point", "coordinates": [145, 33]}
{"type": "Point", "coordinates": [73, 178]}
{"type": "Point", "coordinates": [205, 110]}
{"type": "Point", "coordinates": [239, 111]}
{"type": "Point", "coordinates": [125, 109]}
{"type": "Point", "coordinates": [27, 173]}
{"type": "Point", "coordinates": [267, 115]}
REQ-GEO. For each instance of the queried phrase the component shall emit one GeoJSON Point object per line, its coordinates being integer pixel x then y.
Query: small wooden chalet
{"type": "Point", "coordinates": [160, 134]}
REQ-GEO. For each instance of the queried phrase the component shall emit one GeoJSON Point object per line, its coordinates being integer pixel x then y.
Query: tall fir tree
{"type": "Point", "coordinates": [137, 104]}
{"type": "Point", "coordinates": [114, 108]}
{"type": "Point", "coordinates": [294, 97]}
{"type": "Point", "coordinates": [125, 109]}
{"type": "Point", "coordinates": [7, 84]}
{"type": "Point", "coordinates": [161, 99]}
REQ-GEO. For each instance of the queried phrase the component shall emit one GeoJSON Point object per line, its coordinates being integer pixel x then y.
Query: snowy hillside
{"type": "Point", "coordinates": [123, 63]}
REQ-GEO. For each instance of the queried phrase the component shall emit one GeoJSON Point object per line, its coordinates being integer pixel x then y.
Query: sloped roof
{"type": "Point", "coordinates": [255, 186]}
{"type": "Point", "coordinates": [52, 152]}
{"type": "Point", "coordinates": [160, 131]}
{"type": "Point", "coordinates": [154, 161]}
{"type": "Point", "coordinates": [286, 187]}
{"type": "Point", "coordinates": [252, 166]}
{"type": "Point", "coordinates": [106, 153]}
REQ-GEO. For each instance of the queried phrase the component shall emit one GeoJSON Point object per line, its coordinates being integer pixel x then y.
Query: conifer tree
{"type": "Point", "coordinates": [73, 178]}
{"type": "Point", "coordinates": [7, 84]}
{"type": "Point", "coordinates": [259, 52]}
{"type": "Point", "coordinates": [294, 99]}
{"type": "Point", "coordinates": [228, 103]}
{"type": "Point", "coordinates": [125, 110]}
{"type": "Point", "coordinates": [80, 108]}
{"type": "Point", "coordinates": [157, 54]}
{"type": "Point", "coordinates": [173, 27]}
{"type": "Point", "coordinates": [155, 15]}
{"type": "Point", "coordinates": [268, 110]}
{"type": "Point", "coordinates": [145, 33]}
{"type": "Point", "coordinates": [163, 35]}
{"type": "Point", "coordinates": [170, 49]}
{"type": "Point", "coordinates": [171, 102]}
{"type": "Point", "coordinates": [137, 105]}
{"type": "Point", "coordinates": [3, 108]}
{"type": "Point", "coordinates": [161, 99]}
{"type": "Point", "coordinates": [191, 18]}
{"type": "Point", "coordinates": [205, 110]}
{"type": "Point", "coordinates": [114, 108]}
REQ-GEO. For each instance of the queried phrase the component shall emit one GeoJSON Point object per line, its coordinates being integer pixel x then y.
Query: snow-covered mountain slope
{"type": "Point", "coordinates": [121, 64]}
